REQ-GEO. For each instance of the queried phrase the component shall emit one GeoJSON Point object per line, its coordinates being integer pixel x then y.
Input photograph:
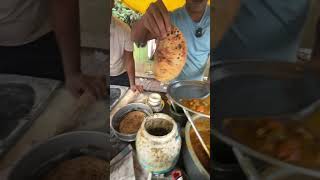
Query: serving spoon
{"type": "Point", "coordinates": [197, 132]}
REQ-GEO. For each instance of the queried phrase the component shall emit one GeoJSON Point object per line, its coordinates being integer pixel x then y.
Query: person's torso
{"type": "Point", "coordinates": [198, 47]}
{"type": "Point", "coordinates": [118, 34]}
{"type": "Point", "coordinates": [264, 30]}
{"type": "Point", "coordinates": [23, 21]}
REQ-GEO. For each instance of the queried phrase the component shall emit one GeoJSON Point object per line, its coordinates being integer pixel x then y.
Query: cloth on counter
{"type": "Point", "coordinates": [121, 166]}
{"type": "Point", "coordinates": [140, 173]}
{"type": "Point", "coordinates": [125, 166]}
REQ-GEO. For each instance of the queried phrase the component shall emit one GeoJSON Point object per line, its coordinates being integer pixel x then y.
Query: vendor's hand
{"type": "Point", "coordinates": [157, 20]}
{"type": "Point", "coordinates": [77, 84]}
{"type": "Point", "coordinates": [138, 88]}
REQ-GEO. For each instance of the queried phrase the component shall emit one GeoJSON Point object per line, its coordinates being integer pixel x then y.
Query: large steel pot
{"type": "Point", "coordinates": [246, 89]}
{"type": "Point", "coordinates": [60, 147]}
{"type": "Point", "coordinates": [194, 168]}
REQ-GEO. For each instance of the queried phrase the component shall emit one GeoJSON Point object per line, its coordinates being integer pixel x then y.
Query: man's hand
{"type": "Point", "coordinates": [154, 24]}
{"type": "Point", "coordinates": [135, 88]}
{"type": "Point", "coordinates": [157, 19]}
{"type": "Point", "coordinates": [77, 84]}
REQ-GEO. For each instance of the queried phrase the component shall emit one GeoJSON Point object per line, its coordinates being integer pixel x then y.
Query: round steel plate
{"type": "Point", "coordinates": [179, 90]}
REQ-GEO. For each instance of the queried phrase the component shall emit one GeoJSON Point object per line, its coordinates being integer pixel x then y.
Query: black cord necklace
{"type": "Point", "coordinates": [199, 32]}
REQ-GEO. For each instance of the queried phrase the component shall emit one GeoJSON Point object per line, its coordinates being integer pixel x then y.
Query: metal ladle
{"type": "Point", "coordinates": [197, 132]}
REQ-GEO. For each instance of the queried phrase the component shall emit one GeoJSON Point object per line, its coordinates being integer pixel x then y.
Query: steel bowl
{"type": "Point", "coordinates": [45, 156]}
{"type": "Point", "coordinates": [187, 89]}
{"type": "Point", "coordinates": [194, 168]}
{"type": "Point", "coordinates": [278, 91]}
{"type": "Point", "coordinates": [115, 122]}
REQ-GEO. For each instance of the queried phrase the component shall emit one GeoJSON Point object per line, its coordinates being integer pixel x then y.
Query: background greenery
{"type": "Point", "coordinates": [124, 13]}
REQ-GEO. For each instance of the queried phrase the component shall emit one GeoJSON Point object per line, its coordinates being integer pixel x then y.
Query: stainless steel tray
{"type": "Point", "coordinates": [179, 90]}
{"type": "Point", "coordinates": [116, 94]}
{"type": "Point", "coordinates": [44, 90]}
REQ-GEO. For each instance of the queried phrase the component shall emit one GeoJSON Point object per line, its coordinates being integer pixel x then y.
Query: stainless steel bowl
{"type": "Point", "coordinates": [115, 122]}
{"type": "Point", "coordinates": [194, 168]}
{"type": "Point", "coordinates": [187, 89]}
{"type": "Point", "coordinates": [44, 156]}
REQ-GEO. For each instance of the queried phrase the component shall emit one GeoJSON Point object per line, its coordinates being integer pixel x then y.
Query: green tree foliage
{"type": "Point", "coordinates": [124, 13]}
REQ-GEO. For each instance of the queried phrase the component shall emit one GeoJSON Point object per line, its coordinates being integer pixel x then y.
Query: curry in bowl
{"type": "Point", "coordinates": [198, 105]}
{"type": "Point", "coordinates": [287, 140]}
{"type": "Point", "coordinates": [203, 126]}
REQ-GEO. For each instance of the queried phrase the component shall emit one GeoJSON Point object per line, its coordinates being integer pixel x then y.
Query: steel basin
{"type": "Point", "coordinates": [61, 146]}
{"type": "Point", "coordinates": [116, 119]}
{"type": "Point", "coordinates": [194, 168]}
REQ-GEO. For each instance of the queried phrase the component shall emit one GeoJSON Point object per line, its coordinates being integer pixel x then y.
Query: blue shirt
{"type": "Point", "coordinates": [198, 48]}
{"type": "Point", "coordinates": [264, 30]}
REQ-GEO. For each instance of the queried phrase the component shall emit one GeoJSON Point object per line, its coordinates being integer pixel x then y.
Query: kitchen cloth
{"type": "Point", "coordinates": [125, 166]}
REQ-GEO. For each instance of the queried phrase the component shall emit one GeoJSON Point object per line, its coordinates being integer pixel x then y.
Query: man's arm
{"type": "Point", "coordinates": [224, 13]}
{"type": "Point", "coordinates": [128, 57]}
{"type": "Point", "coordinates": [139, 34]}
{"type": "Point", "coordinates": [64, 16]}
{"type": "Point", "coordinates": [155, 23]}
{"type": "Point", "coordinates": [66, 24]}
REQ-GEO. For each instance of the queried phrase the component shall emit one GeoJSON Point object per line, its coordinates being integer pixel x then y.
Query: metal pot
{"type": "Point", "coordinates": [224, 164]}
{"type": "Point", "coordinates": [263, 89]}
{"type": "Point", "coordinates": [194, 168]}
{"type": "Point", "coordinates": [180, 118]}
{"type": "Point", "coordinates": [60, 147]}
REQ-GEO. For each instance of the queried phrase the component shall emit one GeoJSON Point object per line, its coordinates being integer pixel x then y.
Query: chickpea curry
{"type": "Point", "coordinates": [199, 105]}
{"type": "Point", "coordinates": [290, 141]}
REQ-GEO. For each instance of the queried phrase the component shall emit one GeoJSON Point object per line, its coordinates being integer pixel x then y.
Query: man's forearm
{"type": "Point", "coordinates": [139, 34]}
{"type": "Point", "coordinates": [66, 25]}
{"type": "Point", "coordinates": [130, 67]}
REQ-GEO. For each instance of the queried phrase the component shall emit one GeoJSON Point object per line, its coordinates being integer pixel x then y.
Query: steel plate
{"type": "Point", "coordinates": [179, 90]}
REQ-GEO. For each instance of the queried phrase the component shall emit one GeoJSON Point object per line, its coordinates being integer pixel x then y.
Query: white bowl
{"type": "Point", "coordinates": [157, 108]}
{"type": "Point", "coordinates": [154, 99]}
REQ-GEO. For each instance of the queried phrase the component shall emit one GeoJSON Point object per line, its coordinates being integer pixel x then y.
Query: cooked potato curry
{"type": "Point", "coordinates": [199, 105]}
{"type": "Point", "coordinates": [203, 126]}
{"type": "Point", "coordinates": [290, 141]}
